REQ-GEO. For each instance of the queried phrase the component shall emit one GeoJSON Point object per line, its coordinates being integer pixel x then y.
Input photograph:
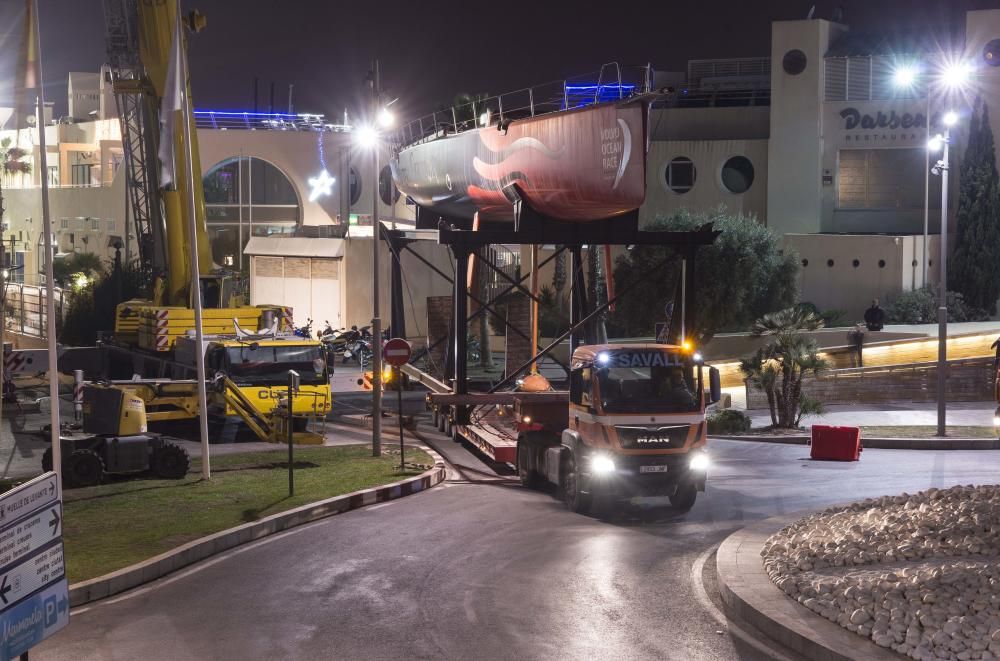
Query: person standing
{"type": "Point", "coordinates": [855, 342]}
{"type": "Point", "coordinates": [875, 316]}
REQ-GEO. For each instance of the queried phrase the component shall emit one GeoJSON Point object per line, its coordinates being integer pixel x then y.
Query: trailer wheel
{"type": "Point", "coordinates": [171, 462]}
{"type": "Point", "coordinates": [47, 460]}
{"type": "Point", "coordinates": [575, 500]}
{"type": "Point", "coordinates": [84, 468]}
{"type": "Point", "coordinates": [529, 478]}
{"type": "Point", "coordinates": [683, 499]}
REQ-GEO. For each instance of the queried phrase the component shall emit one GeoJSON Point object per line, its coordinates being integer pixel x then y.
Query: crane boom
{"type": "Point", "coordinates": [139, 34]}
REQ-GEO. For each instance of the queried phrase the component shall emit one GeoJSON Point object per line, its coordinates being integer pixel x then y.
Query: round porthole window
{"type": "Point", "coordinates": [991, 53]}
{"type": "Point", "coordinates": [387, 187]}
{"type": "Point", "coordinates": [737, 174]}
{"type": "Point", "coordinates": [881, 263]}
{"type": "Point", "coordinates": [829, 263]}
{"type": "Point", "coordinates": [794, 62]}
{"type": "Point", "coordinates": [805, 262]}
{"type": "Point", "coordinates": [856, 263]}
{"type": "Point", "coordinates": [680, 175]}
{"type": "Point", "coordinates": [355, 186]}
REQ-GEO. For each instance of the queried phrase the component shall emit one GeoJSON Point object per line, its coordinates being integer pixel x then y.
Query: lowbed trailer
{"type": "Point", "coordinates": [631, 425]}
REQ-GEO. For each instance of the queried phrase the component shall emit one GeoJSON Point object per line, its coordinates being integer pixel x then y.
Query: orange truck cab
{"type": "Point", "coordinates": [635, 426]}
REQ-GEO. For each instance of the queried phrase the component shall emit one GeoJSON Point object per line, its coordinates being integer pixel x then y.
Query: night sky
{"type": "Point", "coordinates": [430, 50]}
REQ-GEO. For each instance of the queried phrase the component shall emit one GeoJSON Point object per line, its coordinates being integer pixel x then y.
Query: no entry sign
{"type": "Point", "coordinates": [396, 352]}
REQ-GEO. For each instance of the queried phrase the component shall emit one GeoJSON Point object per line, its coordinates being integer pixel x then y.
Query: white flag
{"type": "Point", "coordinates": [173, 91]}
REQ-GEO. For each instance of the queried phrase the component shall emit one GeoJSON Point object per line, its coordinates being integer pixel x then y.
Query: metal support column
{"type": "Point", "coordinates": [397, 314]}
{"type": "Point", "coordinates": [460, 385]}
{"type": "Point", "coordinates": [578, 300]}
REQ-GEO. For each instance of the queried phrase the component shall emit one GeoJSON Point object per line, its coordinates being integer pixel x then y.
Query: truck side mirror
{"type": "Point", "coordinates": [714, 385]}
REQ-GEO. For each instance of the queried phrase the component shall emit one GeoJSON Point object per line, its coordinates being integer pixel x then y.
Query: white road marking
{"type": "Point", "coordinates": [706, 602]}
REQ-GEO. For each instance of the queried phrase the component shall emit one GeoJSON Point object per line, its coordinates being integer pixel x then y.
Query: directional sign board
{"type": "Point", "coordinates": [34, 596]}
{"type": "Point", "coordinates": [396, 352]}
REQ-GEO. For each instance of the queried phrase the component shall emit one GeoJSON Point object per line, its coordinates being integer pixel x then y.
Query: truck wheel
{"type": "Point", "coordinates": [686, 494]}
{"type": "Point", "coordinates": [47, 460]}
{"type": "Point", "coordinates": [575, 500]}
{"type": "Point", "coordinates": [171, 462]}
{"type": "Point", "coordinates": [529, 478]}
{"type": "Point", "coordinates": [84, 468]}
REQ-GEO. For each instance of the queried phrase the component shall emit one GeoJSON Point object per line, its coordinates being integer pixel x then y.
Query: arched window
{"type": "Point", "coordinates": [244, 197]}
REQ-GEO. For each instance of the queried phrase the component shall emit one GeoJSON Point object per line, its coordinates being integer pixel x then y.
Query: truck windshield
{"type": "Point", "coordinates": [646, 382]}
{"type": "Point", "coordinates": [269, 365]}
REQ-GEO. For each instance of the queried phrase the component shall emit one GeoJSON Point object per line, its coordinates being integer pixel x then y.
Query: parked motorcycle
{"type": "Point", "coordinates": [305, 331]}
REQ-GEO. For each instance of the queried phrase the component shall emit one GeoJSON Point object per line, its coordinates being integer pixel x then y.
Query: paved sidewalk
{"type": "Point", "coordinates": [903, 413]}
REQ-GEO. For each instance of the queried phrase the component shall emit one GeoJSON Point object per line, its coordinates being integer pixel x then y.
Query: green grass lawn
{"type": "Point", "coordinates": [114, 525]}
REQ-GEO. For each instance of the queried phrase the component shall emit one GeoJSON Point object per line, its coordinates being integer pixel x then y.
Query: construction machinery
{"type": "Point", "coordinates": [154, 333]}
{"type": "Point", "coordinates": [114, 440]}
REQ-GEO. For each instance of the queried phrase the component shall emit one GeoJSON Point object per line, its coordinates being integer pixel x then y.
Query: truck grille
{"type": "Point", "coordinates": [652, 438]}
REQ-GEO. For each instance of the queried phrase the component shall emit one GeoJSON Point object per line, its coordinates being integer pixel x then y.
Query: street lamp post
{"type": "Point", "coordinates": [368, 136]}
{"type": "Point", "coordinates": [941, 167]}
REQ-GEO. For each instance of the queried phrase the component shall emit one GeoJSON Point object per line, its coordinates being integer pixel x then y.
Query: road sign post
{"type": "Point", "coordinates": [293, 387]}
{"type": "Point", "coordinates": [34, 595]}
{"type": "Point", "coordinates": [397, 353]}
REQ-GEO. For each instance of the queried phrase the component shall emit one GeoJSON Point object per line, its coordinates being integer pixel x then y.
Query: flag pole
{"type": "Point", "coordinates": [206, 470]}
{"type": "Point", "coordinates": [50, 303]}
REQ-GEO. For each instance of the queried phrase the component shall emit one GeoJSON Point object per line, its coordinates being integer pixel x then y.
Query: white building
{"type": "Point", "coordinates": [818, 143]}
{"type": "Point", "coordinates": [262, 176]}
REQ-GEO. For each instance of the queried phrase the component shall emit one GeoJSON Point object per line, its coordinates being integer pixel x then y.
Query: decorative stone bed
{"type": "Point", "coordinates": [916, 573]}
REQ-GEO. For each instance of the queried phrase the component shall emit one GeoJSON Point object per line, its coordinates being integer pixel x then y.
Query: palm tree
{"type": "Point", "coordinates": [11, 162]}
{"type": "Point", "coordinates": [779, 367]}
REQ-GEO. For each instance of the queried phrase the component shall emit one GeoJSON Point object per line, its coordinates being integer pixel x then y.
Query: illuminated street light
{"type": "Point", "coordinates": [956, 75]}
{"type": "Point", "coordinates": [385, 118]}
{"type": "Point", "coordinates": [950, 118]}
{"type": "Point", "coordinates": [905, 76]}
{"type": "Point", "coordinates": [367, 136]}
{"type": "Point", "coordinates": [935, 143]}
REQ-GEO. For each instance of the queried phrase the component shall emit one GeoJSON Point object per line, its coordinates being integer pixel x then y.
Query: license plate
{"type": "Point", "coordinates": [652, 469]}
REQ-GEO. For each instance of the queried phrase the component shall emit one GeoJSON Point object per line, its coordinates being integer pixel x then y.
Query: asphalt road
{"type": "Point", "coordinates": [479, 568]}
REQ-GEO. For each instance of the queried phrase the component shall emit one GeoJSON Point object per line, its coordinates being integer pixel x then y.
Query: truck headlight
{"type": "Point", "coordinates": [699, 462]}
{"type": "Point", "coordinates": [602, 464]}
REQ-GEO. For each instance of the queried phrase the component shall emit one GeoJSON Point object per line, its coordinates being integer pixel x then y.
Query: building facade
{"type": "Point", "coordinates": [820, 143]}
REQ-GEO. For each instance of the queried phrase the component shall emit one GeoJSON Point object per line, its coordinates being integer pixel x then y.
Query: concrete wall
{"type": "Point", "coordinates": [743, 123]}
{"type": "Point", "coordinates": [795, 148]}
{"type": "Point", "coordinates": [844, 286]}
{"type": "Point", "coordinates": [300, 157]}
{"type": "Point", "coordinates": [708, 192]}
{"type": "Point", "coordinates": [419, 283]}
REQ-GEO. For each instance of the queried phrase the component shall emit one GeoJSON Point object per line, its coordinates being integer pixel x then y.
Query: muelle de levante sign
{"type": "Point", "coordinates": [854, 119]}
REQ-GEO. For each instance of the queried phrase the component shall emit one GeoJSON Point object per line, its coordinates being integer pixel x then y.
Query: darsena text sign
{"type": "Point", "coordinates": [869, 125]}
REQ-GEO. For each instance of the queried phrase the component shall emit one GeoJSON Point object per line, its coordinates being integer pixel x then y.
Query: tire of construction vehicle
{"type": "Point", "coordinates": [530, 442]}
{"type": "Point", "coordinates": [83, 468]}
{"type": "Point", "coordinates": [685, 496]}
{"type": "Point", "coordinates": [170, 462]}
{"type": "Point", "coordinates": [575, 499]}
{"type": "Point", "coordinates": [47, 460]}
{"type": "Point", "coordinates": [529, 478]}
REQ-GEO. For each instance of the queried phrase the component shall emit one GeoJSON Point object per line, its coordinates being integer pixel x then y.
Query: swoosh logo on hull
{"type": "Point", "coordinates": [626, 152]}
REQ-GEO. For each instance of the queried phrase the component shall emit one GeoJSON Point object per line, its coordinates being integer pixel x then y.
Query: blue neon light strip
{"type": "Point", "coordinates": [624, 86]}
{"type": "Point", "coordinates": [246, 113]}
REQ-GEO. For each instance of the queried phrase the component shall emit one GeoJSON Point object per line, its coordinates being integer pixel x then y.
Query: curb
{"type": "Point", "coordinates": [205, 547]}
{"type": "Point", "coordinates": [749, 593]}
{"type": "Point", "coordinates": [884, 443]}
